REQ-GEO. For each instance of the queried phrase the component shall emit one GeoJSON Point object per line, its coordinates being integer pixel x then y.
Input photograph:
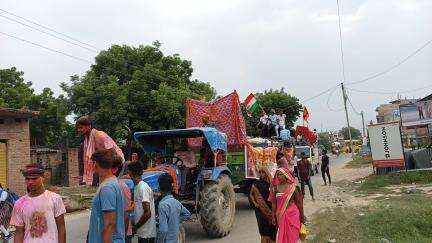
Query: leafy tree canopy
{"type": "Point", "coordinates": [49, 128]}
{"type": "Point", "coordinates": [14, 91]}
{"type": "Point", "coordinates": [278, 100]}
{"type": "Point", "coordinates": [355, 133]}
{"type": "Point", "coordinates": [138, 87]}
{"type": "Point", "coordinates": [324, 140]}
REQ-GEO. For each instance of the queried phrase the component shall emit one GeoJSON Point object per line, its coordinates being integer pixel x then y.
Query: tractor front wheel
{"type": "Point", "coordinates": [217, 207]}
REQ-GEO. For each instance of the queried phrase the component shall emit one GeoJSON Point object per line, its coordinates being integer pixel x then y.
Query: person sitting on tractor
{"type": "Point", "coordinates": [187, 158]}
{"type": "Point", "coordinates": [206, 155]}
{"type": "Point", "coordinates": [159, 165]}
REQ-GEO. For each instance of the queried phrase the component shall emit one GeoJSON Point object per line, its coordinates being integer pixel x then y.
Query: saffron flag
{"type": "Point", "coordinates": [251, 103]}
{"type": "Point", "coordinates": [306, 114]}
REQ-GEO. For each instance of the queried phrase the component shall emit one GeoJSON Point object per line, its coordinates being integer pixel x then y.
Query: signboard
{"type": "Point", "coordinates": [386, 145]}
{"type": "Point", "coordinates": [419, 113]}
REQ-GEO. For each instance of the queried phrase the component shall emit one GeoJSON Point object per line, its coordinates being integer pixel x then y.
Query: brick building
{"type": "Point", "coordinates": [61, 166]}
{"type": "Point", "coordinates": [14, 146]}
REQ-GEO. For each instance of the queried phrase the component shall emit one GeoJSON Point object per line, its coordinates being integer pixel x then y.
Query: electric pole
{"type": "Point", "coordinates": [347, 118]}
{"type": "Point", "coordinates": [363, 124]}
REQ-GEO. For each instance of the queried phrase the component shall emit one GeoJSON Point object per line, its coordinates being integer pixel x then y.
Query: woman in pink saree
{"type": "Point", "coordinates": [287, 206]}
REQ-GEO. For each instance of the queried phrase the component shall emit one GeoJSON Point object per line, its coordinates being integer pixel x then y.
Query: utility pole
{"type": "Point", "coordinates": [344, 96]}
{"type": "Point", "coordinates": [363, 124]}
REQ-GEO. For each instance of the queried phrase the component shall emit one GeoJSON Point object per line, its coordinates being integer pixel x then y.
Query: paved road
{"type": "Point", "coordinates": [245, 227]}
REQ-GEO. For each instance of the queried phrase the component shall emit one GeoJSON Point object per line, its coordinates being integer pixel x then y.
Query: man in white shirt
{"type": "Point", "coordinates": [145, 222]}
{"type": "Point", "coordinates": [281, 121]}
{"type": "Point", "coordinates": [274, 118]}
{"type": "Point", "coordinates": [264, 123]}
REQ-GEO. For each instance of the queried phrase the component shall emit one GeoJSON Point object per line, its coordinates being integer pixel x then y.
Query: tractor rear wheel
{"type": "Point", "coordinates": [217, 207]}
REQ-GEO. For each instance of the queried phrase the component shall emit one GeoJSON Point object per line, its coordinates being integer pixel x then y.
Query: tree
{"type": "Point", "coordinates": [324, 140]}
{"type": "Point", "coordinates": [14, 91]}
{"type": "Point", "coordinates": [278, 100]}
{"type": "Point", "coordinates": [137, 87]}
{"type": "Point", "coordinates": [355, 133]}
{"type": "Point", "coordinates": [50, 128]}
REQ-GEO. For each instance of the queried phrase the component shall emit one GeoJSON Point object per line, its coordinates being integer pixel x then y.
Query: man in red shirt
{"type": "Point", "coordinates": [304, 168]}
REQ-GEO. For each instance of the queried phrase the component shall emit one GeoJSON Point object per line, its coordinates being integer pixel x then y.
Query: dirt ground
{"type": "Point", "coordinates": [340, 193]}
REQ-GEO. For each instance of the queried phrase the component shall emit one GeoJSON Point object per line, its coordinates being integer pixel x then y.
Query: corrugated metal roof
{"type": "Point", "coordinates": [429, 97]}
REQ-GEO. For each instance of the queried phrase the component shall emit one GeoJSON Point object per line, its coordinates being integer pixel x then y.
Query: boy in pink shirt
{"type": "Point", "coordinates": [38, 216]}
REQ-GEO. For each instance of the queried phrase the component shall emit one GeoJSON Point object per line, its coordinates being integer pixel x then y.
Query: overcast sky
{"type": "Point", "coordinates": [246, 45]}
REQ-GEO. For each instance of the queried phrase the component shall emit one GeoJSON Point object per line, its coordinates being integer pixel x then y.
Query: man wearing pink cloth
{"type": "Point", "coordinates": [95, 140]}
{"type": "Point", "coordinates": [39, 215]}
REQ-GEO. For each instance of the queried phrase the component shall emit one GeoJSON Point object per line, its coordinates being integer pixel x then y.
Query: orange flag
{"type": "Point", "coordinates": [305, 114]}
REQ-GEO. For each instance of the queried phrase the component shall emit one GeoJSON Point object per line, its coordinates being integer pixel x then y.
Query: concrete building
{"type": "Point", "coordinates": [390, 112]}
{"type": "Point", "coordinates": [14, 146]}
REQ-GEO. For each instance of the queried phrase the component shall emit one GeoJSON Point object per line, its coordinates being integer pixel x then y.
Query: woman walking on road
{"type": "Point", "coordinates": [287, 206]}
{"type": "Point", "coordinates": [258, 195]}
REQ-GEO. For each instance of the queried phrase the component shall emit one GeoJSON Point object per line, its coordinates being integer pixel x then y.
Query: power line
{"type": "Point", "coordinates": [394, 66]}
{"type": "Point", "coordinates": [50, 29]}
{"type": "Point", "coordinates": [341, 45]}
{"type": "Point", "coordinates": [46, 48]}
{"type": "Point", "coordinates": [390, 92]}
{"type": "Point", "coordinates": [352, 106]}
{"type": "Point", "coordinates": [319, 94]}
{"type": "Point", "coordinates": [328, 100]}
{"type": "Point", "coordinates": [47, 33]}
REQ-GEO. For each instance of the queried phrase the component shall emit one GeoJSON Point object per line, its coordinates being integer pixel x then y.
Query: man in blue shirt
{"type": "Point", "coordinates": [171, 212]}
{"type": "Point", "coordinates": [107, 215]}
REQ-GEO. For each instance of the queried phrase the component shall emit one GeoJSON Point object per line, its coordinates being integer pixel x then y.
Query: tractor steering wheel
{"type": "Point", "coordinates": [174, 160]}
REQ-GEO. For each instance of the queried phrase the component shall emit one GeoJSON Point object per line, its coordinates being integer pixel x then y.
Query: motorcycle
{"type": "Point", "coordinates": [7, 201]}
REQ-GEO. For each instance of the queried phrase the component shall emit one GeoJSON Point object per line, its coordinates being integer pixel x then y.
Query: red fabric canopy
{"type": "Point", "coordinates": [225, 113]}
{"type": "Point", "coordinates": [308, 135]}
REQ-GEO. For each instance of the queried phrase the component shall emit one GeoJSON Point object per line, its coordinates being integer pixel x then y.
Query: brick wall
{"type": "Point", "coordinates": [16, 134]}
{"type": "Point", "coordinates": [73, 167]}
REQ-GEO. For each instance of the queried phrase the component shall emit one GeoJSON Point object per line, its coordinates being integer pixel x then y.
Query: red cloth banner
{"type": "Point", "coordinates": [224, 113]}
{"type": "Point", "coordinates": [307, 134]}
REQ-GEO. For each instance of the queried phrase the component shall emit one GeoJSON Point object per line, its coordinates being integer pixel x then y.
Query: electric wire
{"type": "Point", "coordinates": [46, 48]}
{"type": "Point", "coordinates": [47, 33]}
{"type": "Point", "coordinates": [319, 94]}
{"type": "Point", "coordinates": [352, 106]}
{"type": "Point", "coordinates": [394, 66]}
{"type": "Point", "coordinates": [388, 91]}
{"type": "Point", "coordinates": [328, 101]}
{"type": "Point", "coordinates": [50, 29]}
{"type": "Point", "coordinates": [341, 43]}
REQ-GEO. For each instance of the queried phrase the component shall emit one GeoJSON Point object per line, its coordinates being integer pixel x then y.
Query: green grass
{"type": "Point", "coordinates": [377, 183]}
{"type": "Point", "coordinates": [404, 218]}
{"type": "Point", "coordinates": [399, 219]}
{"type": "Point", "coordinates": [358, 162]}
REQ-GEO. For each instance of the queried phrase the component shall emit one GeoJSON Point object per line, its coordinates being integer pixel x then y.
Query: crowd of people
{"type": "Point", "coordinates": [39, 215]}
{"type": "Point", "coordinates": [278, 199]}
{"type": "Point", "coordinates": [272, 125]}
{"type": "Point", "coordinates": [121, 211]}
